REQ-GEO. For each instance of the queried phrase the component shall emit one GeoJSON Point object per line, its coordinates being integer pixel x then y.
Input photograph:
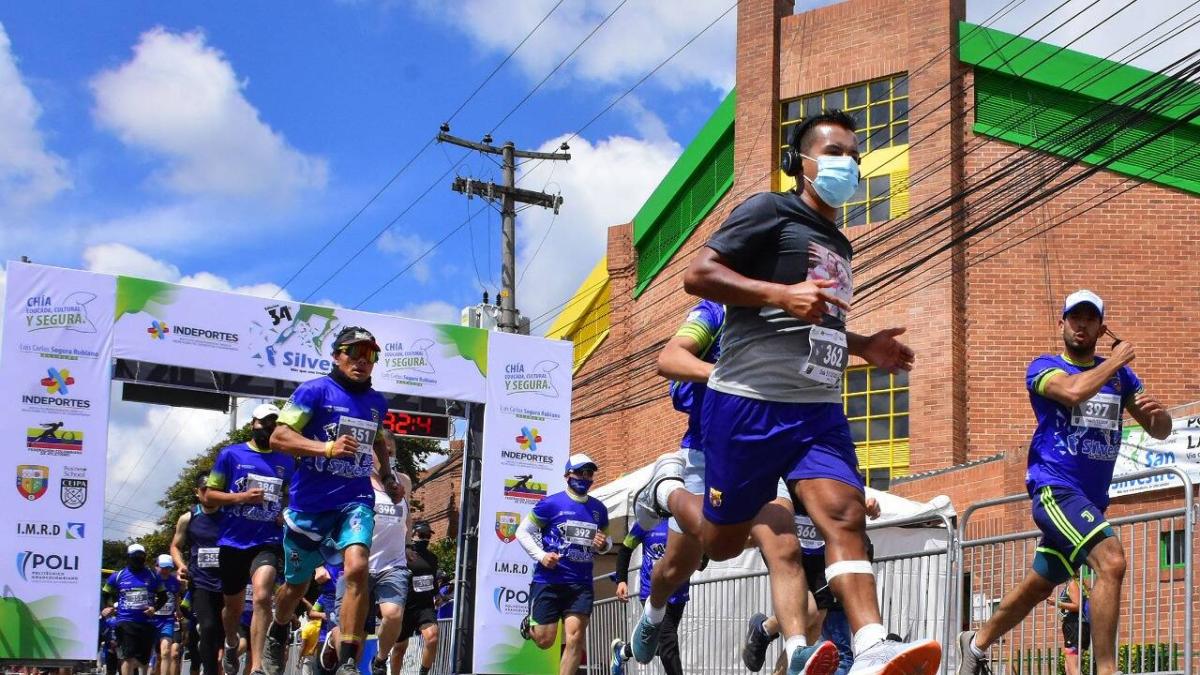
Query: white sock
{"type": "Point", "coordinates": [663, 492]}
{"type": "Point", "coordinates": [655, 615]}
{"type": "Point", "coordinates": [979, 653]}
{"type": "Point", "coordinates": [790, 645]}
{"type": "Point", "coordinates": [867, 636]}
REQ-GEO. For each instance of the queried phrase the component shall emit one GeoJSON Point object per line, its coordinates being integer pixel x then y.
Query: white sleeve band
{"type": "Point", "coordinates": [848, 567]}
{"type": "Point", "coordinates": [608, 545]}
{"type": "Point", "coordinates": [529, 534]}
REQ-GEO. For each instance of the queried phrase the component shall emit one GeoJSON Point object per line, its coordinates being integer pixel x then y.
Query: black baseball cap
{"type": "Point", "coordinates": [422, 528]}
{"type": "Point", "coordinates": [351, 335]}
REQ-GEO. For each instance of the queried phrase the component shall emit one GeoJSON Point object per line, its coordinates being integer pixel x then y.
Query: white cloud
{"type": "Point", "coordinates": [1105, 40]}
{"type": "Point", "coordinates": [409, 246]}
{"type": "Point", "coordinates": [436, 311]}
{"type": "Point", "coordinates": [115, 258]}
{"type": "Point", "coordinates": [138, 479]}
{"type": "Point", "coordinates": [180, 99]}
{"type": "Point", "coordinates": [603, 184]}
{"type": "Point", "coordinates": [637, 38]}
{"type": "Point", "coordinates": [29, 173]}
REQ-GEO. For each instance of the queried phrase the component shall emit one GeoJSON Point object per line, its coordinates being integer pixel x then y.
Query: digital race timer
{"type": "Point", "coordinates": [424, 425]}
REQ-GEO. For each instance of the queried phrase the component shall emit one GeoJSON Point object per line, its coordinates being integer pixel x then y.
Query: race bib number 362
{"type": "Point", "coordinates": [828, 355]}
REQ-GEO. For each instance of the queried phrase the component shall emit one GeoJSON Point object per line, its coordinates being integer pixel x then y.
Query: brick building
{"type": "Point", "coordinates": [944, 108]}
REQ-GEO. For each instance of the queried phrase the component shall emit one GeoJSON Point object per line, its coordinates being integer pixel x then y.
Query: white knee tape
{"type": "Point", "coordinates": [848, 567]}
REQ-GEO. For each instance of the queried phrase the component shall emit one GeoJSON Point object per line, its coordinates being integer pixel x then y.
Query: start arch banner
{"type": "Point", "coordinates": [62, 330]}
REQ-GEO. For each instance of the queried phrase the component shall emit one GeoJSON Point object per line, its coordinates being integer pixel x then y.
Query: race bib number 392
{"type": "Point", "coordinates": [578, 532]}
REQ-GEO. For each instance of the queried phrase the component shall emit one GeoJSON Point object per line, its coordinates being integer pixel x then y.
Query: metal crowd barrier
{"type": "Point", "coordinates": [441, 662]}
{"type": "Point", "coordinates": [915, 601]}
{"type": "Point", "coordinates": [1155, 627]}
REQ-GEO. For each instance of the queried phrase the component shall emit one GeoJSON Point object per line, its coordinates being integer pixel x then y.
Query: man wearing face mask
{"type": "Point", "coordinates": [774, 407]}
{"type": "Point", "coordinates": [562, 533]}
{"type": "Point", "coordinates": [247, 481]}
{"type": "Point", "coordinates": [1079, 400]}
{"type": "Point", "coordinates": [197, 555]}
{"type": "Point", "coordinates": [332, 424]}
{"type": "Point", "coordinates": [134, 594]}
{"type": "Point", "coordinates": [419, 614]}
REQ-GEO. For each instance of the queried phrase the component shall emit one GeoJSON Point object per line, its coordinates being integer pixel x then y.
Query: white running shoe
{"type": "Point", "coordinates": [892, 657]}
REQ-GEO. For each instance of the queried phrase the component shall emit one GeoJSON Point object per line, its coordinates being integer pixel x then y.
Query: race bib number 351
{"type": "Point", "coordinates": [828, 355]}
{"type": "Point", "coordinates": [360, 430]}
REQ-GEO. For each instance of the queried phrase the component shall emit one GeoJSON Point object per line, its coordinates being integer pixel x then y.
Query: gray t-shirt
{"type": "Point", "coordinates": [766, 353]}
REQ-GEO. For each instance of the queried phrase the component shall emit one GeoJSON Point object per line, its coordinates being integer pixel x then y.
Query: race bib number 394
{"type": "Point", "coordinates": [828, 355]}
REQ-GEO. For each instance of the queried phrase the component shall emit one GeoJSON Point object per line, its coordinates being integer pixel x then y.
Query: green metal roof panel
{"type": "Point", "coordinates": [1054, 108]}
{"type": "Point", "coordinates": [1053, 66]}
{"type": "Point", "coordinates": [692, 161]}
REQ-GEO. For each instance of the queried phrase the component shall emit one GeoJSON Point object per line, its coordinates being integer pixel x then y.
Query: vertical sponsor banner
{"type": "Point", "coordinates": [55, 372]}
{"type": "Point", "coordinates": [177, 325]}
{"type": "Point", "coordinates": [526, 443]}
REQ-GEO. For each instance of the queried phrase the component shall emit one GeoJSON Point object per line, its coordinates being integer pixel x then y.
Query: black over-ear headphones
{"type": "Point", "coordinates": [790, 161]}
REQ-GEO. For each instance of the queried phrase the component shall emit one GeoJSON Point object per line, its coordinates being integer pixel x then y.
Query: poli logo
{"type": "Point", "coordinates": [57, 381]}
{"type": "Point", "coordinates": [514, 601]}
{"type": "Point", "coordinates": [75, 530]}
{"type": "Point", "coordinates": [529, 439]}
{"type": "Point", "coordinates": [506, 525]}
{"type": "Point", "coordinates": [158, 329]}
{"type": "Point", "coordinates": [32, 481]}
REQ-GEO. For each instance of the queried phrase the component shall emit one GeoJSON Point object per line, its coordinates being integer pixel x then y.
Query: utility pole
{"type": "Point", "coordinates": [509, 195]}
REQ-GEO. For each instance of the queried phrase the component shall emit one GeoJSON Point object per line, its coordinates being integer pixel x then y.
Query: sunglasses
{"type": "Point", "coordinates": [360, 351]}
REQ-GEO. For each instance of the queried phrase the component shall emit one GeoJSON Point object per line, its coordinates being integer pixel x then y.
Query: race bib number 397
{"type": "Point", "coordinates": [1102, 411]}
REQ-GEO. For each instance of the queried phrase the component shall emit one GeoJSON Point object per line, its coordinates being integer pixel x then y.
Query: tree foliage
{"type": "Point", "coordinates": [446, 549]}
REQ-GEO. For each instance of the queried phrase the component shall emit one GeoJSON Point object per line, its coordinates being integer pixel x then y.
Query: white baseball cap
{"type": "Point", "coordinates": [580, 461]}
{"type": "Point", "coordinates": [135, 548]}
{"type": "Point", "coordinates": [1081, 297]}
{"type": "Point", "coordinates": [265, 410]}
{"type": "Point", "coordinates": [165, 560]}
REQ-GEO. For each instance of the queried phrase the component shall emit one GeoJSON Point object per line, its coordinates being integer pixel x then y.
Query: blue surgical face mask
{"type": "Point", "coordinates": [837, 178]}
{"type": "Point", "coordinates": [579, 486]}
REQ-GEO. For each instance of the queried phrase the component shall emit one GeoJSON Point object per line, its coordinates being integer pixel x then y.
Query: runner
{"type": "Point", "coordinates": [331, 423]}
{"type": "Point", "coordinates": [133, 594]}
{"type": "Point", "coordinates": [1078, 399]}
{"type": "Point", "coordinates": [562, 533]}
{"type": "Point", "coordinates": [1074, 609]}
{"type": "Point", "coordinates": [326, 577]}
{"type": "Point", "coordinates": [247, 481]}
{"type": "Point", "coordinates": [419, 615]}
{"type": "Point", "coordinates": [826, 615]}
{"type": "Point", "coordinates": [197, 556]}
{"type": "Point", "coordinates": [191, 645]}
{"type": "Point", "coordinates": [782, 267]}
{"type": "Point", "coordinates": [387, 568]}
{"type": "Point", "coordinates": [165, 617]}
{"type": "Point", "coordinates": [687, 360]}
{"type": "Point", "coordinates": [654, 547]}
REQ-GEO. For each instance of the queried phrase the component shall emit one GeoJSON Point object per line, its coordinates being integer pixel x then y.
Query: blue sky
{"type": "Point", "coordinates": [221, 145]}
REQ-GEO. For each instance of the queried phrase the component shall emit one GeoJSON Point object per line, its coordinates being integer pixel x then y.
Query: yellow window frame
{"type": "Point", "coordinates": [890, 454]}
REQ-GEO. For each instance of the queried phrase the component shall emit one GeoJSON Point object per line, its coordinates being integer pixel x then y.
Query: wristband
{"type": "Point", "coordinates": [329, 449]}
